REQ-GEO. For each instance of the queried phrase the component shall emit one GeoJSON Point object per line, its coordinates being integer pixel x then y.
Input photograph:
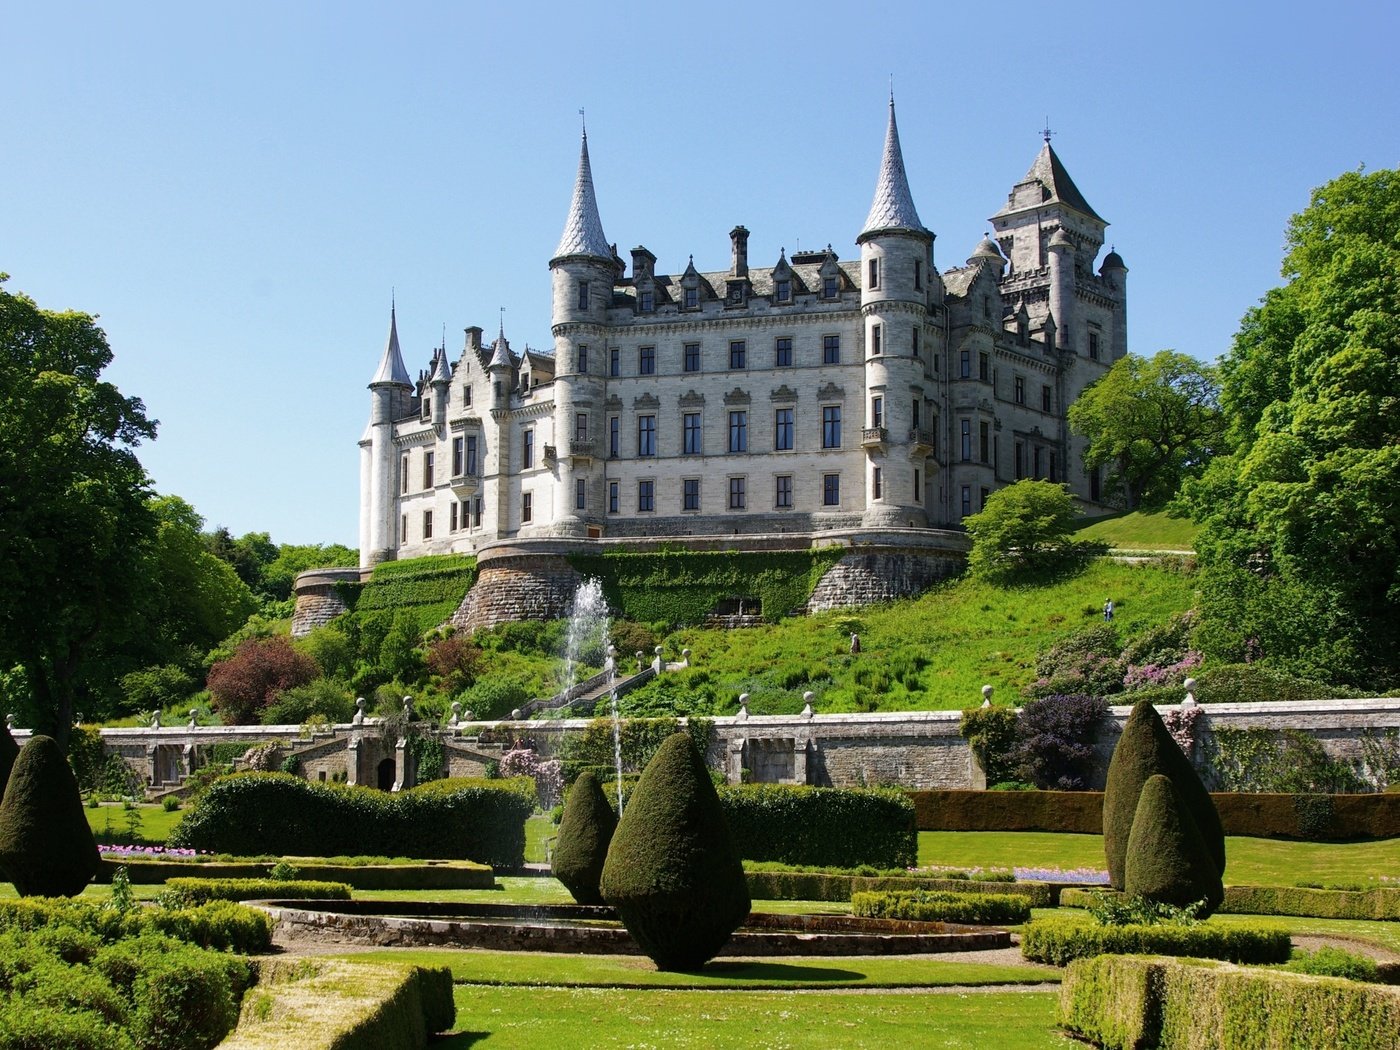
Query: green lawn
{"type": "Point", "coordinates": [1139, 531]}
{"type": "Point", "coordinates": [110, 822]}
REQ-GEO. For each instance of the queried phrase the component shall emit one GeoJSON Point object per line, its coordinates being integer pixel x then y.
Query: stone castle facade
{"type": "Point", "coordinates": [813, 395]}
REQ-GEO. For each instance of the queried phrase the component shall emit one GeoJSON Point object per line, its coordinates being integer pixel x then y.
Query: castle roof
{"type": "Point", "coordinates": [1055, 185]}
{"type": "Point", "coordinates": [583, 229]}
{"type": "Point", "coordinates": [500, 355]}
{"type": "Point", "coordinates": [391, 368]}
{"type": "Point", "coordinates": [893, 207]}
{"type": "Point", "coordinates": [442, 373]}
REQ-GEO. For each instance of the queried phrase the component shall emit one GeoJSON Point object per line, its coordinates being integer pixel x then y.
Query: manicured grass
{"type": "Point", "coordinates": [1139, 531]}
{"type": "Point", "coordinates": [110, 822]}
{"type": "Point", "coordinates": [540, 832]}
{"type": "Point", "coordinates": [1247, 861]}
{"type": "Point", "coordinates": [933, 653]}
{"type": "Point", "coordinates": [505, 1018]}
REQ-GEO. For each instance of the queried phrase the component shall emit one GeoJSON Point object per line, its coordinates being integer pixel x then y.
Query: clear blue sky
{"type": "Point", "coordinates": [236, 191]}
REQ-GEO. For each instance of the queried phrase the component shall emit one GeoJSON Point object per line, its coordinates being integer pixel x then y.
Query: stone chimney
{"type": "Point", "coordinates": [739, 248]}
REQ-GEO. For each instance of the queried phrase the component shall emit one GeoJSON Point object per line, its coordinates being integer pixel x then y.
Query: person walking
{"type": "Point", "coordinates": [1108, 611]}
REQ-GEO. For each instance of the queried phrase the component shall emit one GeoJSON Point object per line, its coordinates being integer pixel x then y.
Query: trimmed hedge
{"type": "Point", "coordinates": [1060, 941]}
{"type": "Point", "coordinates": [825, 886]}
{"type": "Point", "coordinates": [1379, 904]}
{"type": "Point", "coordinates": [200, 891]}
{"type": "Point", "coordinates": [46, 845]}
{"type": "Point", "coordinates": [1167, 858]}
{"type": "Point", "coordinates": [431, 875]}
{"type": "Point", "coordinates": [999, 909]}
{"type": "Point", "coordinates": [1133, 1002]}
{"type": "Point", "coordinates": [840, 827]}
{"type": "Point", "coordinates": [257, 813]}
{"type": "Point", "coordinates": [222, 925]}
{"type": "Point", "coordinates": [1269, 816]}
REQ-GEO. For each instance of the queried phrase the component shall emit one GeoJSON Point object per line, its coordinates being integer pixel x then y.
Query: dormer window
{"type": "Point", "coordinates": [647, 302]}
{"type": "Point", "coordinates": [524, 382]}
{"type": "Point", "coordinates": [427, 407]}
{"type": "Point", "coordinates": [784, 291]}
{"type": "Point", "coordinates": [692, 298]}
{"type": "Point", "coordinates": [829, 288]}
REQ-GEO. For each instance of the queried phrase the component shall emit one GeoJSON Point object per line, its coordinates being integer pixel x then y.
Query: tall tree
{"type": "Point", "coordinates": [1151, 422]}
{"type": "Point", "coordinates": [1301, 544]}
{"type": "Point", "coordinates": [75, 519]}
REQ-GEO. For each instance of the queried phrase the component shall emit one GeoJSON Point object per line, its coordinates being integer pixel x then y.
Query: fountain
{"type": "Point", "coordinates": [588, 627]}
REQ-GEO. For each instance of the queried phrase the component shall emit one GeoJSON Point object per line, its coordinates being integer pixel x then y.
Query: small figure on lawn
{"type": "Point", "coordinates": [855, 643]}
{"type": "Point", "coordinates": [1108, 611]}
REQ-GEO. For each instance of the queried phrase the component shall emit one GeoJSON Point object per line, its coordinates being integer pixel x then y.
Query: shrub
{"type": "Point", "coordinates": [1084, 662]}
{"type": "Point", "coordinates": [184, 1000]}
{"type": "Point", "coordinates": [1167, 860]}
{"type": "Point", "coordinates": [257, 672]}
{"type": "Point", "coordinates": [1060, 941]}
{"type": "Point", "coordinates": [25, 1026]}
{"type": "Point", "coordinates": [1076, 812]}
{"type": "Point", "coordinates": [1022, 528]}
{"type": "Point", "coordinates": [584, 834]}
{"type": "Point", "coordinates": [991, 733]}
{"type": "Point", "coordinates": [837, 827]}
{"type": "Point", "coordinates": [1055, 740]}
{"type": "Point", "coordinates": [46, 845]}
{"type": "Point", "coordinates": [941, 906]}
{"type": "Point", "coordinates": [1333, 962]}
{"type": "Point", "coordinates": [301, 703]}
{"type": "Point", "coordinates": [672, 871]}
{"type": "Point", "coordinates": [189, 891]}
{"type": "Point", "coordinates": [1144, 750]}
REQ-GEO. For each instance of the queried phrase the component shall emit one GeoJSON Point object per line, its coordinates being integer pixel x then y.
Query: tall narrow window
{"type": "Point", "coordinates": [582, 359]}
{"type": "Point", "coordinates": [458, 449]}
{"type": "Point", "coordinates": [527, 455]}
{"type": "Point", "coordinates": [918, 275]}
{"type": "Point", "coordinates": [1019, 390]}
{"type": "Point", "coordinates": [782, 430]}
{"type": "Point", "coordinates": [966, 500]}
{"type": "Point", "coordinates": [471, 456]}
{"type": "Point", "coordinates": [874, 273]}
{"type": "Point", "coordinates": [831, 426]}
{"type": "Point", "coordinates": [614, 361]}
{"type": "Point", "coordinates": [1052, 467]}
{"type": "Point", "coordinates": [527, 508]}
{"type": "Point", "coordinates": [614, 436]}
{"type": "Point", "coordinates": [427, 524]}
{"type": "Point", "coordinates": [580, 494]}
{"type": "Point", "coordinates": [646, 435]}
{"type": "Point", "coordinates": [737, 493]}
{"type": "Point", "coordinates": [877, 411]}
{"type": "Point", "coordinates": [1036, 459]}
{"type": "Point", "coordinates": [829, 287]}
{"type": "Point", "coordinates": [691, 434]}
{"type": "Point", "coordinates": [914, 414]}
{"type": "Point", "coordinates": [984, 441]}
{"type": "Point", "coordinates": [613, 487]}
{"type": "Point", "coordinates": [1045, 399]}
{"type": "Point", "coordinates": [647, 302]}
{"type": "Point", "coordinates": [876, 333]}
{"type": "Point", "coordinates": [427, 470]}
{"type": "Point", "coordinates": [914, 342]}
{"type": "Point", "coordinates": [583, 295]}
{"type": "Point", "coordinates": [646, 496]}
{"type": "Point", "coordinates": [580, 427]}
{"type": "Point", "coordinates": [784, 291]}
{"type": "Point", "coordinates": [692, 357]}
{"type": "Point", "coordinates": [982, 498]}
{"type": "Point", "coordinates": [403, 529]}
{"type": "Point", "coordinates": [966, 426]}
{"type": "Point", "coordinates": [964, 364]}
{"type": "Point", "coordinates": [452, 517]}
{"type": "Point", "coordinates": [690, 494]}
{"type": "Point", "coordinates": [476, 513]}
{"type": "Point", "coordinates": [782, 492]}
{"type": "Point", "coordinates": [467, 396]}
{"type": "Point", "coordinates": [738, 353]}
{"type": "Point", "coordinates": [831, 490]}
{"type": "Point", "coordinates": [1094, 346]}
{"type": "Point", "coordinates": [876, 483]}
{"type": "Point", "coordinates": [831, 349]}
{"type": "Point", "coordinates": [782, 352]}
{"type": "Point", "coordinates": [738, 432]}
{"type": "Point", "coordinates": [692, 298]}
{"type": "Point", "coordinates": [984, 368]}
{"type": "Point", "coordinates": [646, 360]}
{"type": "Point", "coordinates": [403, 473]}
{"type": "Point", "coordinates": [918, 488]}
{"type": "Point", "coordinates": [1020, 460]}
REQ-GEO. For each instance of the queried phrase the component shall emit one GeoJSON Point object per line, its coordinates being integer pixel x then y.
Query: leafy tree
{"type": "Point", "coordinates": [455, 660]}
{"type": "Point", "coordinates": [1024, 528]}
{"type": "Point", "coordinates": [75, 520]}
{"type": "Point", "coordinates": [1301, 539]}
{"type": "Point", "coordinates": [257, 673]}
{"type": "Point", "coordinates": [1151, 422]}
{"type": "Point", "coordinates": [280, 573]}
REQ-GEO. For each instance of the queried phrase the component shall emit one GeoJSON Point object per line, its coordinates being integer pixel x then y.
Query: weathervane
{"type": "Point", "coordinates": [1046, 132]}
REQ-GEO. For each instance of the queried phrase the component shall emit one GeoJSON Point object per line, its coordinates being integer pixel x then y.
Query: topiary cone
{"type": "Point", "coordinates": [584, 835]}
{"type": "Point", "coordinates": [1146, 749]}
{"type": "Point", "coordinates": [46, 846]}
{"type": "Point", "coordinates": [672, 871]}
{"type": "Point", "coordinates": [9, 751]}
{"type": "Point", "coordinates": [1167, 859]}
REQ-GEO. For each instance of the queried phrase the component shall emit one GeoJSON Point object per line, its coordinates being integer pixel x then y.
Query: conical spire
{"type": "Point", "coordinates": [391, 369]}
{"type": "Point", "coordinates": [500, 355]}
{"type": "Point", "coordinates": [893, 207]}
{"type": "Point", "coordinates": [583, 230]}
{"type": "Point", "coordinates": [1056, 185]}
{"type": "Point", "coordinates": [442, 372]}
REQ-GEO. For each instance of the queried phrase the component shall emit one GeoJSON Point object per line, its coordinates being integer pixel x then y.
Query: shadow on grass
{"type": "Point", "coordinates": [457, 1040]}
{"type": "Point", "coordinates": [761, 971]}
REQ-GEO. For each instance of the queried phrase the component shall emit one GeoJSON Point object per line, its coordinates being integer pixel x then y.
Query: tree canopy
{"type": "Point", "coordinates": [1152, 422]}
{"type": "Point", "coordinates": [1024, 528]}
{"type": "Point", "coordinates": [1301, 537]}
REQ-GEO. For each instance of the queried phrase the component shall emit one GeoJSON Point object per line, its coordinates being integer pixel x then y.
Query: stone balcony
{"type": "Point", "coordinates": [465, 485]}
{"type": "Point", "coordinates": [581, 449]}
{"type": "Point", "coordinates": [923, 442]}
{"type": "Point", "coordinates": [874, 437]}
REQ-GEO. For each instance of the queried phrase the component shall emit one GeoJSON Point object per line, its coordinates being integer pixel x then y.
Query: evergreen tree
{"type": "Point", "coordinates": [672, 871]}
{"type": "Point", "coordinates": [584, 835]}
{"type": "Point", "coordinates": [1167, 859]}
{"type": "Point", "coordinates": [46, 846]}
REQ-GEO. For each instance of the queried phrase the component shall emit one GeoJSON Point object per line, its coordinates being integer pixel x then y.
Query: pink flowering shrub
{"type": "Point", "coordinates": [1181, 724]}
{"type": "Point", "coordinates": [548, 773]}
{"type": "Point", "coordinates": [1152, 675]}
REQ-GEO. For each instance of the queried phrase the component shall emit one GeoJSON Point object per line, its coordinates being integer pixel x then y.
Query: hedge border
{"type": "Point", "coordinates": [1381, 904]}
{"type": "Point", "coordinates": [813, 886]}
{"type": "Point", "coordinates": [983, 909]}
{"type": "Point", "coordinates": [191, 891]}
{"type": "Point", "coordinates": [1059, 941]}
{"type": "Point", "coordinates": [439, 875]}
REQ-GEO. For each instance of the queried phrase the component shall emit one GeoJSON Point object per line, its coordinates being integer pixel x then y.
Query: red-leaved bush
{"type": "Point", "coordinates": [257, 672]}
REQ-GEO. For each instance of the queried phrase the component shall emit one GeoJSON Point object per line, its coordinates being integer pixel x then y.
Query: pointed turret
{"type": "Point", "coordinates": [583, 230]}
{"type": "Point", "coordinates": [1047, 182]}
{"type": "Point", "coordinates": [391, 367]}
{"type": "Point", "coordinates": [500, 353]}
{"type": "Point", "coordinates": [893, 207]}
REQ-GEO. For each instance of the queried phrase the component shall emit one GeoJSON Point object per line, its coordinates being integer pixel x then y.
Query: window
{"type": "Point", "coordinates": [782, 430]}
{"type": "Point", "coordinates": [403, 528]}
{"type": "Point", "coordinates": [692, 357]}
{"type": "Point", "coordinates": [966, 427]}
{"type": "Point", "coordinates": [784, 291]}
{"type": "Point", "coordinates": [831, 349]}
{"type": "Point", "coordinates": [527, 455]}
{"type": "Point", "coordinates": [458, 448]}
{"type": "Point", "coordinates": [452, 518]}
{"type": "Point", "coordinates": [476, 513]}
{"type": "Point", "coordinates": [874, 273]}
{"type": "Point", "coordinates": [736, 493]}
{"type": "Point", "coordinates": [403, 473]}
{"type": "Point", "coordinates": [614, 361]}
{"type": "Point", "coordinates": [614, 436]}
{"type": "Point", "coordinates": [918, 489]}
{"type": "Point", "coordinates": [831, 426]}
{"type": "Point", "coordinates": [1045, 399]}
{"type": "Point", "coordinates": [876, 486]}
{"type": "Point", "coordinates": [738, 432]}
{"type": "Point", "coordinates": [1019, 390]}
{"type": "Point", "coordinates": [427, 470]}
{"type": "Point", "coordinates": [914, 414]}
{"type": "Point", "coordinates": [1052, 467]}
{"type": "Point", "coordinates": [582, 360]}
{"type": "Point", "coordinates": [646, 435]}
{"type": "Point", "coordinates": [982, 501]}
{"type": "Point", "coordinates": [527, 505]}
{"type": "Point", "coordinates": [966, 500]}
{"type": "Point", "coordinates": [612, 497]}
{"type": "Point", "coordinates": [914, 343]}
{"type": "Point", "coordinates": [583, 295]}
{"type": "Point", "coordinates": [648, 302]}
{"type": "Point", "coordinates": [1036, 459]}
{"type": "Point", "coordinates": [1094, 346]}
{"type": "Point", "coordinates": [984, 368]}
{"type": "Point", "coordinates": [427, 524]}
{"type": "Point", "coordinates": [987, 307]}
{"type": "Point", "coordinates": [738, 352]}
{"type": "Point", "coordinates": [427, 407]}
{"type": "Point", "coordinates": [965, 364]}
{"type": "Point", "coordinates": [471, 456]}
{"type": "Point", "coordinates": [690, 494]}
{"type": "Point", "coordinates": [984, 441]}
{"type": "Point", "coordinates": [829, 287]}
{"type": "Point", "coordinates": [580, 426]}
{"type": "Point", "coordinates": [782, 352]}
{"type": "Point", "coordinates": [646, 496]}
{"type": "Point", "coordinates": [875, 339]}
{"type": "Point", "coordinates": [1020, 460]}
{"type": "Point", "coordinates": [691, 434]}
{"type": "Point", "coordinates": [782, 492]}
{"type": "Point", "coordinates": [580, 494]}
{"type": "Point", "coordinates": [646, 361]}
{"type": "Point", "coordinates": [918, 275]}
{"type": "Point", "coordinates": [467, 395]}
{"type": "Point", "coordinates": [692, 298]}
{"type": "Point", "coordinates": [831, 490]}
{"type": "Point", "coordinates": [877, 411]}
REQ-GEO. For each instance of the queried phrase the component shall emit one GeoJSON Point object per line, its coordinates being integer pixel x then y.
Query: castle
{"type": "Point", "coordinates": [817, 394]}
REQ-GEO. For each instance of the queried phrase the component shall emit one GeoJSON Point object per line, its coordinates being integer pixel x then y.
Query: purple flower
{"type": "Point", "coordinates": [1080, 876]}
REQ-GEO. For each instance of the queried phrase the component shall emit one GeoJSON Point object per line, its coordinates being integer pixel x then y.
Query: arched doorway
{"type": "Point", "coordinates": [386, 775]}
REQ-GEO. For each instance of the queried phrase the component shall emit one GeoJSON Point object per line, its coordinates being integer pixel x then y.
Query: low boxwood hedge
{"type": "Point", "coordinates": [842, 827]}
{"type": "Point", "coordinates": [199, 891]}
{"type": "Point", "coordinates": [223, 925]}
{"type": "Point", "coordinates": [794, 885]}
{"type": "Point", "coordinates": [1077, 812]}
{"type": "Point", "coordinates": [256, 813]}
{"type": "Point", "coordinates": [1124, 1001]}
{"type": "Point", "coordinates": [1000, 909]}
{"type": "Point", "coordinates": [1060, 941]}
{"type": "Point", "coordinates": [1381, 903]}
{"type": "Point", "coordinates": [431, 875]}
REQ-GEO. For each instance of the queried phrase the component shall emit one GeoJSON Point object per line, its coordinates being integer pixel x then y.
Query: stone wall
{"type": "Point", "coordinates": [526, 587]}
{"type": "Point", "coordinates": [318, 600]}
{"type": "Point", "coordinates": [860, 579]}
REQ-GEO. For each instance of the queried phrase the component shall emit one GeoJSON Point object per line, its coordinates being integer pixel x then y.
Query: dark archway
{"type": "Point", "coordinates": [386, 775]}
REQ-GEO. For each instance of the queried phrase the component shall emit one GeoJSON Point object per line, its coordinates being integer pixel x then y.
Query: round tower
{"type": "Point", "coordinates": [390, 390]}
{"type": "Point", "coordinates": [1116, 273]}
{"type": "Point", "coordinates": [1061, 289]}
{"type": "Point", "coordinates": [895, 267]}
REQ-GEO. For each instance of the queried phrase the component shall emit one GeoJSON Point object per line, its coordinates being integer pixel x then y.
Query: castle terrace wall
{"type": "Point", "coordinates": [318, 600]}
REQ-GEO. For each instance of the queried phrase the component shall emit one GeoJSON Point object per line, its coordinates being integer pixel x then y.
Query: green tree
{"type": "Point", "coordinates": [1023, 528]}
{"type": "Point", "coordinates": [1151, 422]}
{"type": "Point", "coordinates": [75, 520]}
{"type": "Point", "coordinates": [1301, 539]}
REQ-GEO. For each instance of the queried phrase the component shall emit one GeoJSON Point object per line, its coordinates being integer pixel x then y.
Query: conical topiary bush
{"type": "Point", "coordinates": [46, 846]}
{"type": "Point", "coordinates": [584, 834]}
{"type": "Point", "coordinates": [1167, 859]}
{"type": "Point", "coordinates": [672, 871]}
{"type": "Point", "coordinates": [9, 751]}
{"type": "Point", "coordinates": [1146, 749]}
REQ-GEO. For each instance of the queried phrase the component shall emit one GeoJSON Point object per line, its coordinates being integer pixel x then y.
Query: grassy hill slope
{"type": "Point", "coordinates": [1139, 531]}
